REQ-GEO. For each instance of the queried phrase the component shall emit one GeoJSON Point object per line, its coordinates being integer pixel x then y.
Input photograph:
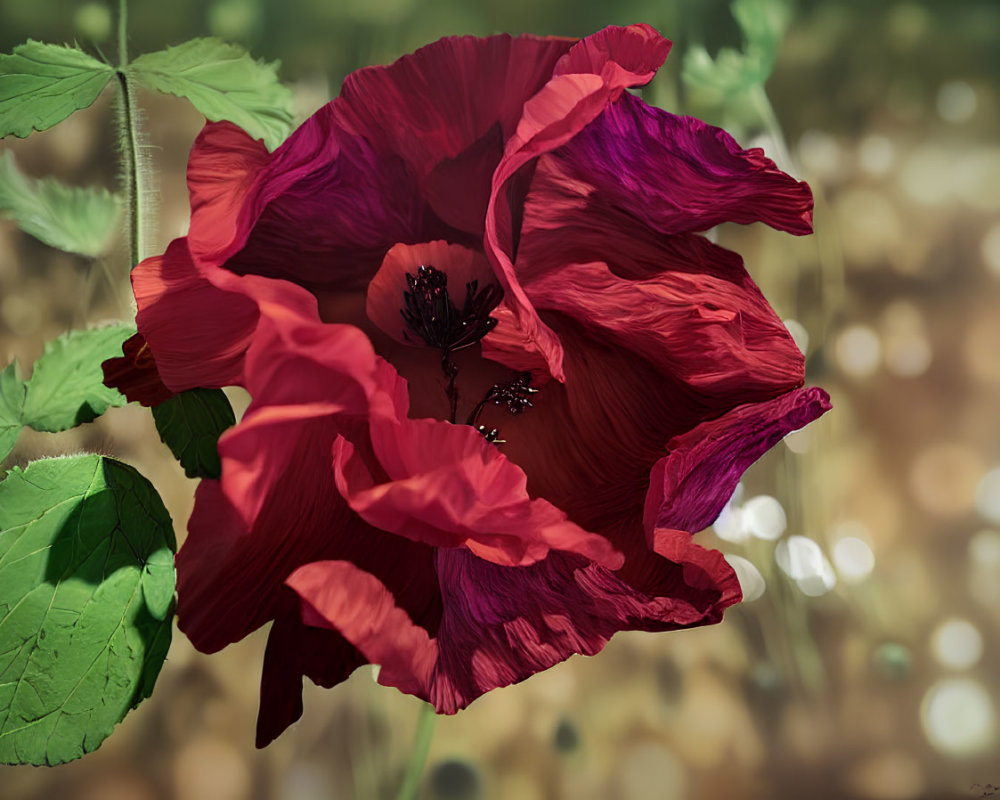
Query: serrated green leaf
{"type": "Point", "coordinates": [85, 543]}
{"type": "Point", "coordinates": [190, 424]}
{"type": "Point", "coordinates": [223, 82]}
{"type": "Point", "coordinates": [66, 386]}
{"type": "Point", "coordinates": [42, 84]}
{"type": "Point", "coordinates": [11, 402]}
{"type": "Point", "coordinates": [69, 218]}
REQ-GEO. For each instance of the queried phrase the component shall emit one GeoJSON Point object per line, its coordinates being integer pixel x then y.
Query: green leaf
{"type": "Point", "coordinates": [732, 73]}
{"type": "Point", "coordinates": [223, 82]}
{"type": "Point", "coordinates": [11, 402]}
{"type": "Point", "coordinates": [190, 424]}
{"type": "Point", "coordinates": [42, 84]}
{"type": "Point", "coordinates": [66, 386]}
{"type": "Point", "coordinates": [86, 603]}
{"type": "Point", "coordinates": [73, 219]}
{"type": "Point", "coordinates": [763, 22]}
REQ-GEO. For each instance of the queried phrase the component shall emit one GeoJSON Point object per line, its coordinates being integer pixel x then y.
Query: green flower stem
{"type": "Point", "coordinates": [128, 135]}
{"type": "Point", "coordinates": [410, 787]}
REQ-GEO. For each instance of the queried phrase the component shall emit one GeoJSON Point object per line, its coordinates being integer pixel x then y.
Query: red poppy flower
{"type": "Point", "coordinates": [497, 377]}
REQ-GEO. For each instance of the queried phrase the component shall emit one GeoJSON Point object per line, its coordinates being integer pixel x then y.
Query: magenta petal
{"type": "Point", "coordinates": [529, 619]}
{"type": "Point", "coordinates": [564, 107]}
{"type": "Point", "coordinates": [689, 486]}
{"type": "Point", "coordinates": [674, 174]}
{"type": "Point", "coordinates": [326, 209]}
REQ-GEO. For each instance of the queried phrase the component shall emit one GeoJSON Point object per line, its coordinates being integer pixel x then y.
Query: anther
{"type": "Point", "coordinates": [492, 435]}
{"type": "Point", "coordinates": [515, 394]}
{"type": "Point", "coordinates": [430, 314]}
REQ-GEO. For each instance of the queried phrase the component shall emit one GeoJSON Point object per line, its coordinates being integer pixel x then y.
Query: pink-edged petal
{"type": "Point", "coordinates": [674, 174]}
{"type": "Point", "coordinates": [501, 625]}
{"type": "Point", "coordinates": [566, 105]}
{"type": "Point", "coordinates": [717, 335]}
{"type": "Point", "coordinates": [294, 651]}
{"type": "Point", "coordinates": [449, 487]}
{"type": "Point", "coordinates": [197, 332]}
{"type": "Point", "coordinates": [134, 374]}
{"type": "Point", "coordinates": [510, 345]}
{"type": "Point", "coordinates": [460, 265]}
{"type": "Point", "coordinates": [223, 169]}
{"type": "Point", "coordinates": [626, 56]}
{"type": "Point", "coordinates": [446, 110]}
{"type": "Point", "coordinates": [689, 486]}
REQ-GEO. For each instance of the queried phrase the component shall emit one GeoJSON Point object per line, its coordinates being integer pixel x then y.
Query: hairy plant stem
{"type": "Point", "coordinates": [410, 787]}
{"type": "Point", "coordinates": [128, 142]}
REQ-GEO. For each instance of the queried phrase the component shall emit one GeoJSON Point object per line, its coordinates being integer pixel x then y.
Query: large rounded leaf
{"type": "Point", "coordinates": [86, 603]}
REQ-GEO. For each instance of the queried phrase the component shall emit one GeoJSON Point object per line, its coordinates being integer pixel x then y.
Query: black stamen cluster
{"type": "Point", "coordinates": [515, 394]}
{"type": "Point", "coordinates": [430, 314]}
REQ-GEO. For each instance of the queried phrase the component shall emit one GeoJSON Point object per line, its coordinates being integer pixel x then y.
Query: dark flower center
{"type": "Point", "coordinates": [432, 317]}
{"type": "Point", "coordinates": [430, 314]}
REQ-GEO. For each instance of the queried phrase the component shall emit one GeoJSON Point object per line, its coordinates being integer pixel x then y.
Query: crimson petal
{"type": "Point", "coordinates": [446, 110]}
{"type": "Point", "coordinates": [501, 625]}
{"type": "Point", "coordinates": [608, 63]}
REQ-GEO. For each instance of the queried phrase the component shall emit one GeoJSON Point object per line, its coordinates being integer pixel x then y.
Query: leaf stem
{"type": "Point", "coordinates": [128, 135]}
{"type": "Point", "coordinates": [122, 34]}
{"type": "Point", "coordinates": [410, 787]}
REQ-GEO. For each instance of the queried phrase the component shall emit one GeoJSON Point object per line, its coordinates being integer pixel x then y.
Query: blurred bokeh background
{"type": "Point", "coordinates": [864, 662]}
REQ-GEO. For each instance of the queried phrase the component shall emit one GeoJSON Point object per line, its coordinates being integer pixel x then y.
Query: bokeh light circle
{"type": "Point", "coordinates": [764, 517]}
{"type": "Point", "coordinates": [958, 717]}
{"type": "Point", "coordinates": [751, 581]}
{"type": "Point", "coordinates": [854, 559]}
{"type": "Point", "coordinates": [956, 643]}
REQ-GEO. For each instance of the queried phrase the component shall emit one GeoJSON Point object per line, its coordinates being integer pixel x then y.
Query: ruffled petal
{"type": "Point", "coordinates": [510, 345]}
{"type": "Point", "coordinates": [135, 375]}
{"type": "Point", "coordinates": [446, 110]}
{"type": "Point", "coordinates": [501, 625]}
{"type": "Point", "coordinates": [621, 56]}
{"type": "Point", "coordinates": [223, 168]}
{"type": "Point", "coordinates": [448, 487]}
{"type": "Point", "coordinates": [198, 333]}
{"type": "Point", "coordinates": [715, 334]}
{"type": "Point", "coordinates": [276, 508]}
{"type": "Point", "coordinates": [320, 211]}
{"type": "Point", "coordinates": [689, 486]}
{"type": "Point", "coordinates": [567, 104]}
{"type": "Point", "coordinates": [673, 174]}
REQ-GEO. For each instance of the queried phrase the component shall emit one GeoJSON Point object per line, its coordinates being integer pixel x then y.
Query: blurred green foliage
{"type": "Point", "coordinates": [849, 49]}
